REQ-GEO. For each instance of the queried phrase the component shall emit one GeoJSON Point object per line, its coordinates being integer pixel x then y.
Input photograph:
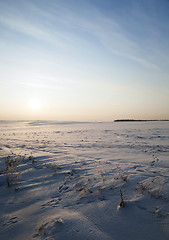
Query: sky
{"type": "Point", "coordinates": [84, 60]}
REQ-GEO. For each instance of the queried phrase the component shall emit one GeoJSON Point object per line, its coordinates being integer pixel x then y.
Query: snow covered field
{"type": "Point", "coordinates": [84, 181]}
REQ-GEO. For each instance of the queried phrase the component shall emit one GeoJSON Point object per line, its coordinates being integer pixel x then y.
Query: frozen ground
{"type": "Point", "coordinates": [84, 181]}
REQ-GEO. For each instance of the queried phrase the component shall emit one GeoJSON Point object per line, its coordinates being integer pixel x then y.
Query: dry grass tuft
{"type": "Point", "coordinates": [123, 201]}
{"type": "Point", "coordinates": [11, 162]}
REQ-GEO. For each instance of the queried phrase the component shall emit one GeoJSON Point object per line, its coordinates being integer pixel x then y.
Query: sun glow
{"type": "Point", "coordinates": [34, 104]}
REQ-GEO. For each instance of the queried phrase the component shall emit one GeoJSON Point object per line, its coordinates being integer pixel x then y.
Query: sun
{"type": "Point", "coordinates": [34, 104]}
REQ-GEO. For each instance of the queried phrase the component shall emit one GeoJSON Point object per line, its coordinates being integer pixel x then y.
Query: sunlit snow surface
{"type": "Point", "coordinates": [69, 179]}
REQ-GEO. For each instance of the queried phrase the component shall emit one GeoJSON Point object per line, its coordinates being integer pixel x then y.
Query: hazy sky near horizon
{"type": "Point", "coordinates": [84, 60]}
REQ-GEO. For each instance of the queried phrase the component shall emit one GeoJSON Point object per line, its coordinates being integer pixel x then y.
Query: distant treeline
{"type": "Point", "coordinates": [137, 120]}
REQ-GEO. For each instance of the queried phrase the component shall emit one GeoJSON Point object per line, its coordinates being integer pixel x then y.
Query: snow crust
{"type": "Point", "coordinates": [84, 181]}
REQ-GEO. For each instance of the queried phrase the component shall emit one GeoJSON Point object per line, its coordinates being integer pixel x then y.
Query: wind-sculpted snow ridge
{"type": "Point", "coordinates": [84, 181]}
{"type": "Point", "coordinates": [39, 123]}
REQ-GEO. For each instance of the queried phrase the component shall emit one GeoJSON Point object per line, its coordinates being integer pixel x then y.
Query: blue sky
{"type": "Point", "coordinates": [90, 60]}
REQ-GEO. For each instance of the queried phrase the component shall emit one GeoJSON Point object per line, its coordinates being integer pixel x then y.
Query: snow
{"type": "Point", "coordinates": [84, 180]}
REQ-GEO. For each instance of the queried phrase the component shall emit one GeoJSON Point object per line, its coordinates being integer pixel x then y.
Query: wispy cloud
{"type": "Point", "coordinates": [111, 35]}
{"type": "Point", "coordinates": [25, 27]}
{"type": "Point", "coordinates": [66, 28]}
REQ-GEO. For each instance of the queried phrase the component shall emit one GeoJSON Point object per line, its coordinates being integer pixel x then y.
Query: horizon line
{"type": "Point", "coordinates": [92, 121]}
